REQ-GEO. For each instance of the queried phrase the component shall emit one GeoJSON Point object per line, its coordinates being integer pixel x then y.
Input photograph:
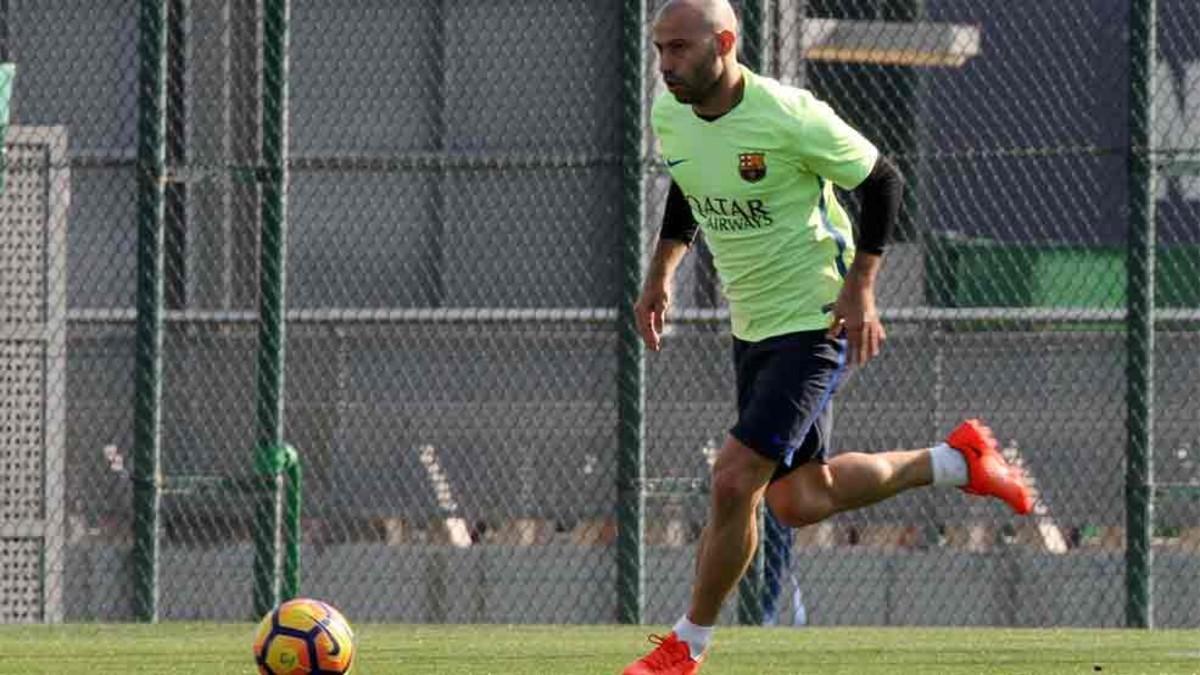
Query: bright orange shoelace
{"type": "Point", "coordinates": [664, 657]}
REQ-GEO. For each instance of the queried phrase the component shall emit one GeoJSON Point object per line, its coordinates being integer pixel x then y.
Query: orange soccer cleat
{"type": "Point", "coordinates": [671, 657]}
{"type": "Point", "coordinates": [987, 471]}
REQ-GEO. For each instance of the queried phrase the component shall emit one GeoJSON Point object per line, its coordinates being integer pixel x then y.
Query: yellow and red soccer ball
{"type": "Point", "coordinates": [304, 637]}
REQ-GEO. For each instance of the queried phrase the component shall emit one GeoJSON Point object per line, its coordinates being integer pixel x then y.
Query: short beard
{"type": "Point", "coordinates": [701, 94]}
{"type": "Point", "coordinates": [707, 93]}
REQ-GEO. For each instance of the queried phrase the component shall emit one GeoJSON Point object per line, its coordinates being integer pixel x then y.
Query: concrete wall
{"type": "Point", "coordinates": [559, 583]}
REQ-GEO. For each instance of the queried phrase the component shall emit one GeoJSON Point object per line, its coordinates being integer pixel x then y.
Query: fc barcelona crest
{"type": "Point", "coordinates": [752, 166]}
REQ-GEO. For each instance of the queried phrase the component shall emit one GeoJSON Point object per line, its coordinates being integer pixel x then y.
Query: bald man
{"type": "Point", "coordinates": [753, 164]}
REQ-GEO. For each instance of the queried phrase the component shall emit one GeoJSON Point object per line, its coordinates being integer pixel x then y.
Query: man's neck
{"type": "Point", "coordinates": [728, 94]}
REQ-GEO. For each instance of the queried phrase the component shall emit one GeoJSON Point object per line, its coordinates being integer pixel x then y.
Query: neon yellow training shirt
{"type": "Point", "coordinates": [759, 183]}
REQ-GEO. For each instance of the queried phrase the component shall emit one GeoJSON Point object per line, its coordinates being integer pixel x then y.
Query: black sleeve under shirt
{"type": "Point", "coordinates": [677, 222]}
{"type": "Point", "coordinates": [880, 194]}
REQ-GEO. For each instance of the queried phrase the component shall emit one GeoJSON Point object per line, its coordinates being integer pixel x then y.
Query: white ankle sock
{"type": "Point", "coordinates": [696, 637]}
{"type": "Point", "coordinates": [949, 466]}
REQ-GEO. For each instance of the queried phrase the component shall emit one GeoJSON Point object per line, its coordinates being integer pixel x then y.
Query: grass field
{"type": "Point", "coordinates": [504, 650]}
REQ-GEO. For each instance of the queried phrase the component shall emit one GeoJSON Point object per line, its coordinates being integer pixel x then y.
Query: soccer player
{"type": "Point", "coordinates": [753, 164]}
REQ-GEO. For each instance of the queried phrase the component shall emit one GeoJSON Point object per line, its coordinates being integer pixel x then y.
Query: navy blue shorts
{"type": "Point", "coordinates": [784, 387]}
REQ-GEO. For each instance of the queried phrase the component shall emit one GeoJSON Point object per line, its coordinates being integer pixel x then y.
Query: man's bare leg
{"type": "Point", "coordinates": [740, 478]}
{"type": "Point", "coordinates": [813, 492]}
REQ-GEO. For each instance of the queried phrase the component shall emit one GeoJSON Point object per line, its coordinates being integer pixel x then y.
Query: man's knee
{"type": "Point", "coordinates": [733, 487]}
{"type": "Point", "coordinates": [801, 512]}
{"type": "Point", "coordinates": [803, 497]}
{"type": "Point", "coordinates": [739, 477]}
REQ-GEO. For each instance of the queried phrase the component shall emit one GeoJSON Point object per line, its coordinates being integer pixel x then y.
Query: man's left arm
{"type": "Point", "coordinates": [880, 195]}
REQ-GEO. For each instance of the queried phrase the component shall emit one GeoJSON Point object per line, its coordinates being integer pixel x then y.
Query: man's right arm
{"type": "Point", "coordinates": [674, 239]}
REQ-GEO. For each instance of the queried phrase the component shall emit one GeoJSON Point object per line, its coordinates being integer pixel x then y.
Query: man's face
{"type": "Point", "coordinates": [687, 56]}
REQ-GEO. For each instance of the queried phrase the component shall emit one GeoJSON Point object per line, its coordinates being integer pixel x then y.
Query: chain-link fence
{"type": "Point", "coordinates": [451, 227]}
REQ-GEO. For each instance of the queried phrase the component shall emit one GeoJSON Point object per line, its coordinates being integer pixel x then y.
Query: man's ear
{"type": "Point", "coordinates": [726, 42]}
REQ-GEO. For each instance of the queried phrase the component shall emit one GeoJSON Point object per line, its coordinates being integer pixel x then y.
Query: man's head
{"type": "Point", "coordinates": [697, 44]}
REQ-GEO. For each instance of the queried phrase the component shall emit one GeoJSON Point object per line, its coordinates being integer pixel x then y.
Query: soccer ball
{"type": "Point", "coordinates": [304, 637]}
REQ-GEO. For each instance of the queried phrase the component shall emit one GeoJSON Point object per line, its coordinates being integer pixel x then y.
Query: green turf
{"type": "Point", "coordinates": [384, 649]}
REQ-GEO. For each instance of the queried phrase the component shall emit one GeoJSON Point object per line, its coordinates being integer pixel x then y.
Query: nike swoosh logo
{"type": "Point", "coordinates": [675, 162]}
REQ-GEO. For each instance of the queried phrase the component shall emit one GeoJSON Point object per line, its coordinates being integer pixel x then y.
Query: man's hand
{"type": "Point", "coordinates": [649, 312]}
{"type": "Point", "coordinates": [855, 316]}
{"type": "Point", "coordinates": [651, 308]}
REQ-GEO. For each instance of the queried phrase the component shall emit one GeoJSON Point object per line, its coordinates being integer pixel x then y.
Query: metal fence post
{"type": "Point", "coordinates": [147, 416]}
{"type": "Point", "coordinates": [750, 587]}
{"type": "Point", "coordinates": [631, 385]}
{"type": "Point", "coordinates": [1139, 374]}
{"type": "Point", "coordinates": [272, 278]}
